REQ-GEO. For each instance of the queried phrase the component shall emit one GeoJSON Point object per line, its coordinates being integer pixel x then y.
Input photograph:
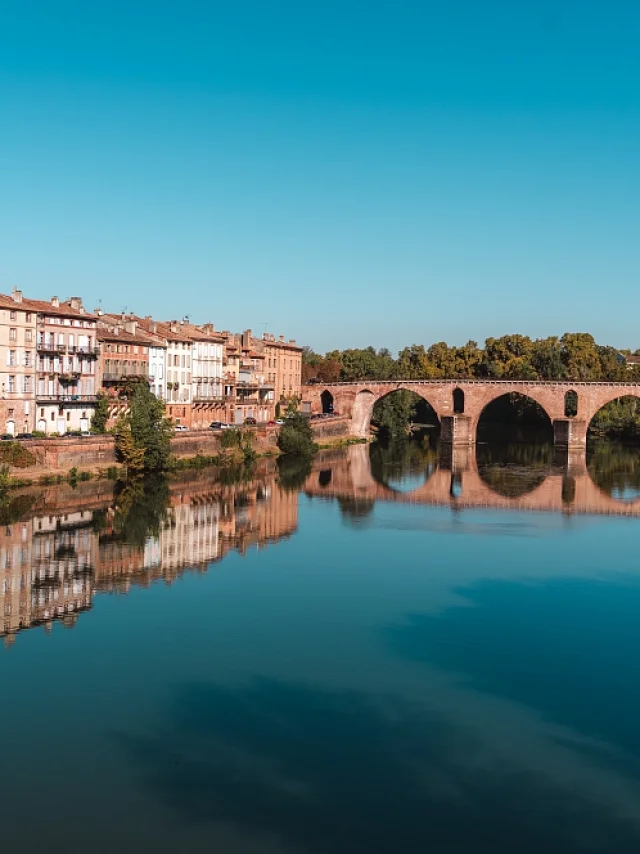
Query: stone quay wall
{"type": "Point", "coordinates": [98, 452]}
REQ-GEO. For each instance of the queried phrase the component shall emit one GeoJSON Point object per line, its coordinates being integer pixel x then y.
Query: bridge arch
{"type": "Point", "coordinates": [505, 393]}
{"type": "Point", "coordinates": [607, 397]}
{"type": "Point", "coordinates": [366, 399]}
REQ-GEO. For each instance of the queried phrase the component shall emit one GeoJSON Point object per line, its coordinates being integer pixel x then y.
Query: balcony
{"type": "Point", "coordinates": [51, 347]}
{"type": "Point", "coordinates": [66, 398]}
{"type": "Point", "coordinates": [200, 398]}
{"type": "Point", "coordinates": [84, 351]}
{"type": "Point", "coordinates": [121, 377]}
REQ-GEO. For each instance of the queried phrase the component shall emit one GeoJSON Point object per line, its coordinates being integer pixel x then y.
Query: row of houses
{"type": "Point", "coordinates": [56, 358]}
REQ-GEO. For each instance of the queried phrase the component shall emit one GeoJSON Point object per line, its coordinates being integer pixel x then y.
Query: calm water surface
{"type": "Point", "coordinates": [390, 653]}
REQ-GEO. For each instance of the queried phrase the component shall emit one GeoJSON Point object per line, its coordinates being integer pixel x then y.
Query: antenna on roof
{"type": "Point", "coordinates": [264, 331]}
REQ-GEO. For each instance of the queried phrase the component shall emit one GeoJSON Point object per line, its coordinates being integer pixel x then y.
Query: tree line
{"type": "Point", "coordinates": [573, 356]}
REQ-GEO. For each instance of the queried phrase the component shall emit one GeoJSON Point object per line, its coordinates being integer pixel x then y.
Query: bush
{"type": "Point", "coordinates": [296, 437]}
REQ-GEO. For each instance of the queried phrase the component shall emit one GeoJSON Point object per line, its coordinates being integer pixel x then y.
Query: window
{"type": "Point", "coordinates": [53, 416]}
{"type": "Point", "coordinates": [68, 416]}
{"type": "Point", "coordinates": [12, 357]}
{"type": "Point", "coordinates": [28, 336]}
{"type": "Point", "coordinates": [12, 384]}
{"type": "Point", "coordinates": [42, 413]}
{"type": "Point", "coordinates": [13, 333]}
{"type": "Point", "coordinates": [11, 412]}
{"type": "Point", "coordinates": [13, 315]}
{"type": "Point", "coordinates": [27, 317]}
{"type": "Point", "coordinates": [26, 384]}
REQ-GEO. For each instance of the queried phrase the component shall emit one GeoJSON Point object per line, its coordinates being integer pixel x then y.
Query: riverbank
{"type": "Point", "coordinates": [50, 461]}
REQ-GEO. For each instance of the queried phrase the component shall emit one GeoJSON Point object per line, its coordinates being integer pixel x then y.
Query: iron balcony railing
{"type": "Point", "coordinates": [70, 398]}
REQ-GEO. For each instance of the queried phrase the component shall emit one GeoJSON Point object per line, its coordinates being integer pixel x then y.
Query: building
{"type": "Point", "coordinates": [248, 392]}
{"type": "Point", "coordinates": [283, 366]}
{"type": "Point", "coordinates": [207, 392]}
{"type": "Point", "coordinates": [17, 363]}
{"type": "Point", "coordinates": [67, 365]}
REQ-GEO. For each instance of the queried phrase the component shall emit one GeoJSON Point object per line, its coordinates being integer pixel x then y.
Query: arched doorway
{"type": "Point", "coordinates": [326, 398]}
{"type": "Point", "coordinates": [458, 401]}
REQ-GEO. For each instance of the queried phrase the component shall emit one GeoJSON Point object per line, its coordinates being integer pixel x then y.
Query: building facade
{"type": "Point", "coordinates": [17, 365]}
{"type": "Point", "coordinates": [67, 365]}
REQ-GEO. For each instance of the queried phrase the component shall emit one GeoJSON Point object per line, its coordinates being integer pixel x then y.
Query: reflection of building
{"type": "Point", "coordinates": [15, 578]}
{"type": "Point", "coordinates": [51, 565]}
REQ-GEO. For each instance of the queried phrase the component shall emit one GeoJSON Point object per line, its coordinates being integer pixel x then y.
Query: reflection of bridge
{"type": "Point", "coordinates": [460, 403]}
{"type": "Point", "coordinates": [456, 483]}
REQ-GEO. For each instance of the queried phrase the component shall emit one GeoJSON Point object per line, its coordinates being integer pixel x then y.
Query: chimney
{"type": "Point", "coordinates": [131, 327]}
{"type": "Point", "coordinates": [16, 295]}
{"type": "Point", "coordinates": [55, 302]}
{"type": "Point", "coordinates": [98, 311]}
{"type": "Point", "coordinates": [292, 341]}
{"type": "Point", "coordinates": [282, 339]}
{"type": "Point", "coordinates": [76, 303]}
{"type": "Point", "coordinates": [154, 327]}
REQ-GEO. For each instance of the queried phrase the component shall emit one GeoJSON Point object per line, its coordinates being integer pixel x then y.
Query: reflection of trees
{"type": "Point", "coordinates": [321, 770]}
{"type": "Point", "coordinates": [140, 509]}
{"type": "Point", "coordinates": [402, 459]}
{"type": "Point", "coordinates": [355, 509]}
{"type": "Point", "coordinates": [514, 469]}
{"type": "Point", "coordinates": [614, 468]}
{"type": "Point", "coordinates": [293, 471]}
{"type": "Point", "coordinates": [14, 508]}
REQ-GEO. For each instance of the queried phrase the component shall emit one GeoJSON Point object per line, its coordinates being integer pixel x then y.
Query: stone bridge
{"type": "Point", "coordinates": [460, 403]}
{"type": "Point", "coordinates": [457, 483]}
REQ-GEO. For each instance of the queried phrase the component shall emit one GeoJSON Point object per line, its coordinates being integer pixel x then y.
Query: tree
{"type": "Point", "coordinates": [143, 435]}
{"type": "Point", "coordinates": [580, 357]}
{"type": "Point", "coordinates": [296, 436]}
{"type": "Point", "coordinates": [100, 415]}
{"type": "Point", "coordinates": [126, 449]}
{"type": "Point", "coordinates": [393, 413]}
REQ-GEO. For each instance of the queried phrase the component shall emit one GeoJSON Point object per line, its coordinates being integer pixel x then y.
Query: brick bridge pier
{"type": "Point", "coordinates": [460, 403]}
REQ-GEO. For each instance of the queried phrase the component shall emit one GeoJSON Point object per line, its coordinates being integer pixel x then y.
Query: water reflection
{"type": "Point", "coordinates": [52, 563]}
{"type": "Point", "coordinates": [59, 546]}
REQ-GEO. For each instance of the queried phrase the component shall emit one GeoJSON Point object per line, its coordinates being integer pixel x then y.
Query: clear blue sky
{"type": "Point", "coordinates": [347, 172]}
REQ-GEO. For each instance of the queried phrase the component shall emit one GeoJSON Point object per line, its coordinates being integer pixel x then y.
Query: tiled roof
{"type": "Point", "coordinates": [64, 309]}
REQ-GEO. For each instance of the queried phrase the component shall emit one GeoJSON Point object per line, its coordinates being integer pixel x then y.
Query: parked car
{"type": "Point", "coordinates": [180, 428]}
{"type": "Point", "coordinates": [86, 434]}
{"type": "Point", "coordinates": [280, 421]}
{"type": "Point", "coordinates": [271, 423]}
{"type": "Point", "coordinates": [216, 425]}
{"type": "Point", "coordinates": [24, 436]}
{"type": "Point", "coordinates": [250, 422]}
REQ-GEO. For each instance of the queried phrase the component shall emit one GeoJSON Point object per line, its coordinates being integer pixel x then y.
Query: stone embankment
{"type": "Point", "coordinates": [96, 453]}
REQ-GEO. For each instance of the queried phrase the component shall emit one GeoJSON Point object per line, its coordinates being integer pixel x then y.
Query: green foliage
{"type": "Point", "coordinates": [15, 454]}
{"type": "Point", "coordinates": [240, 442]}
{"type": "Point", "coordinates": [575, 356]}
{"type": "Point", "coordinates": [100, 415]}
{"type": "Point", "coordinates": [620, 419]}
{"type": "Point", "coordinates": [392, 414]}
{"type": "Point", "coordinates": [73, 476]}
{"type": "Point", "coordinates": [296, 437]}
{"type": "Point", "coordinates": [143, 435]}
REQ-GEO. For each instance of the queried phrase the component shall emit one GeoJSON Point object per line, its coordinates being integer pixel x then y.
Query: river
{"type": "Point", "coordinates": [395, 650]}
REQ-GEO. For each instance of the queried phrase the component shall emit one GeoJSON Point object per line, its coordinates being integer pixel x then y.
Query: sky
{"type": "Point", "coordinates": [344, 173]}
